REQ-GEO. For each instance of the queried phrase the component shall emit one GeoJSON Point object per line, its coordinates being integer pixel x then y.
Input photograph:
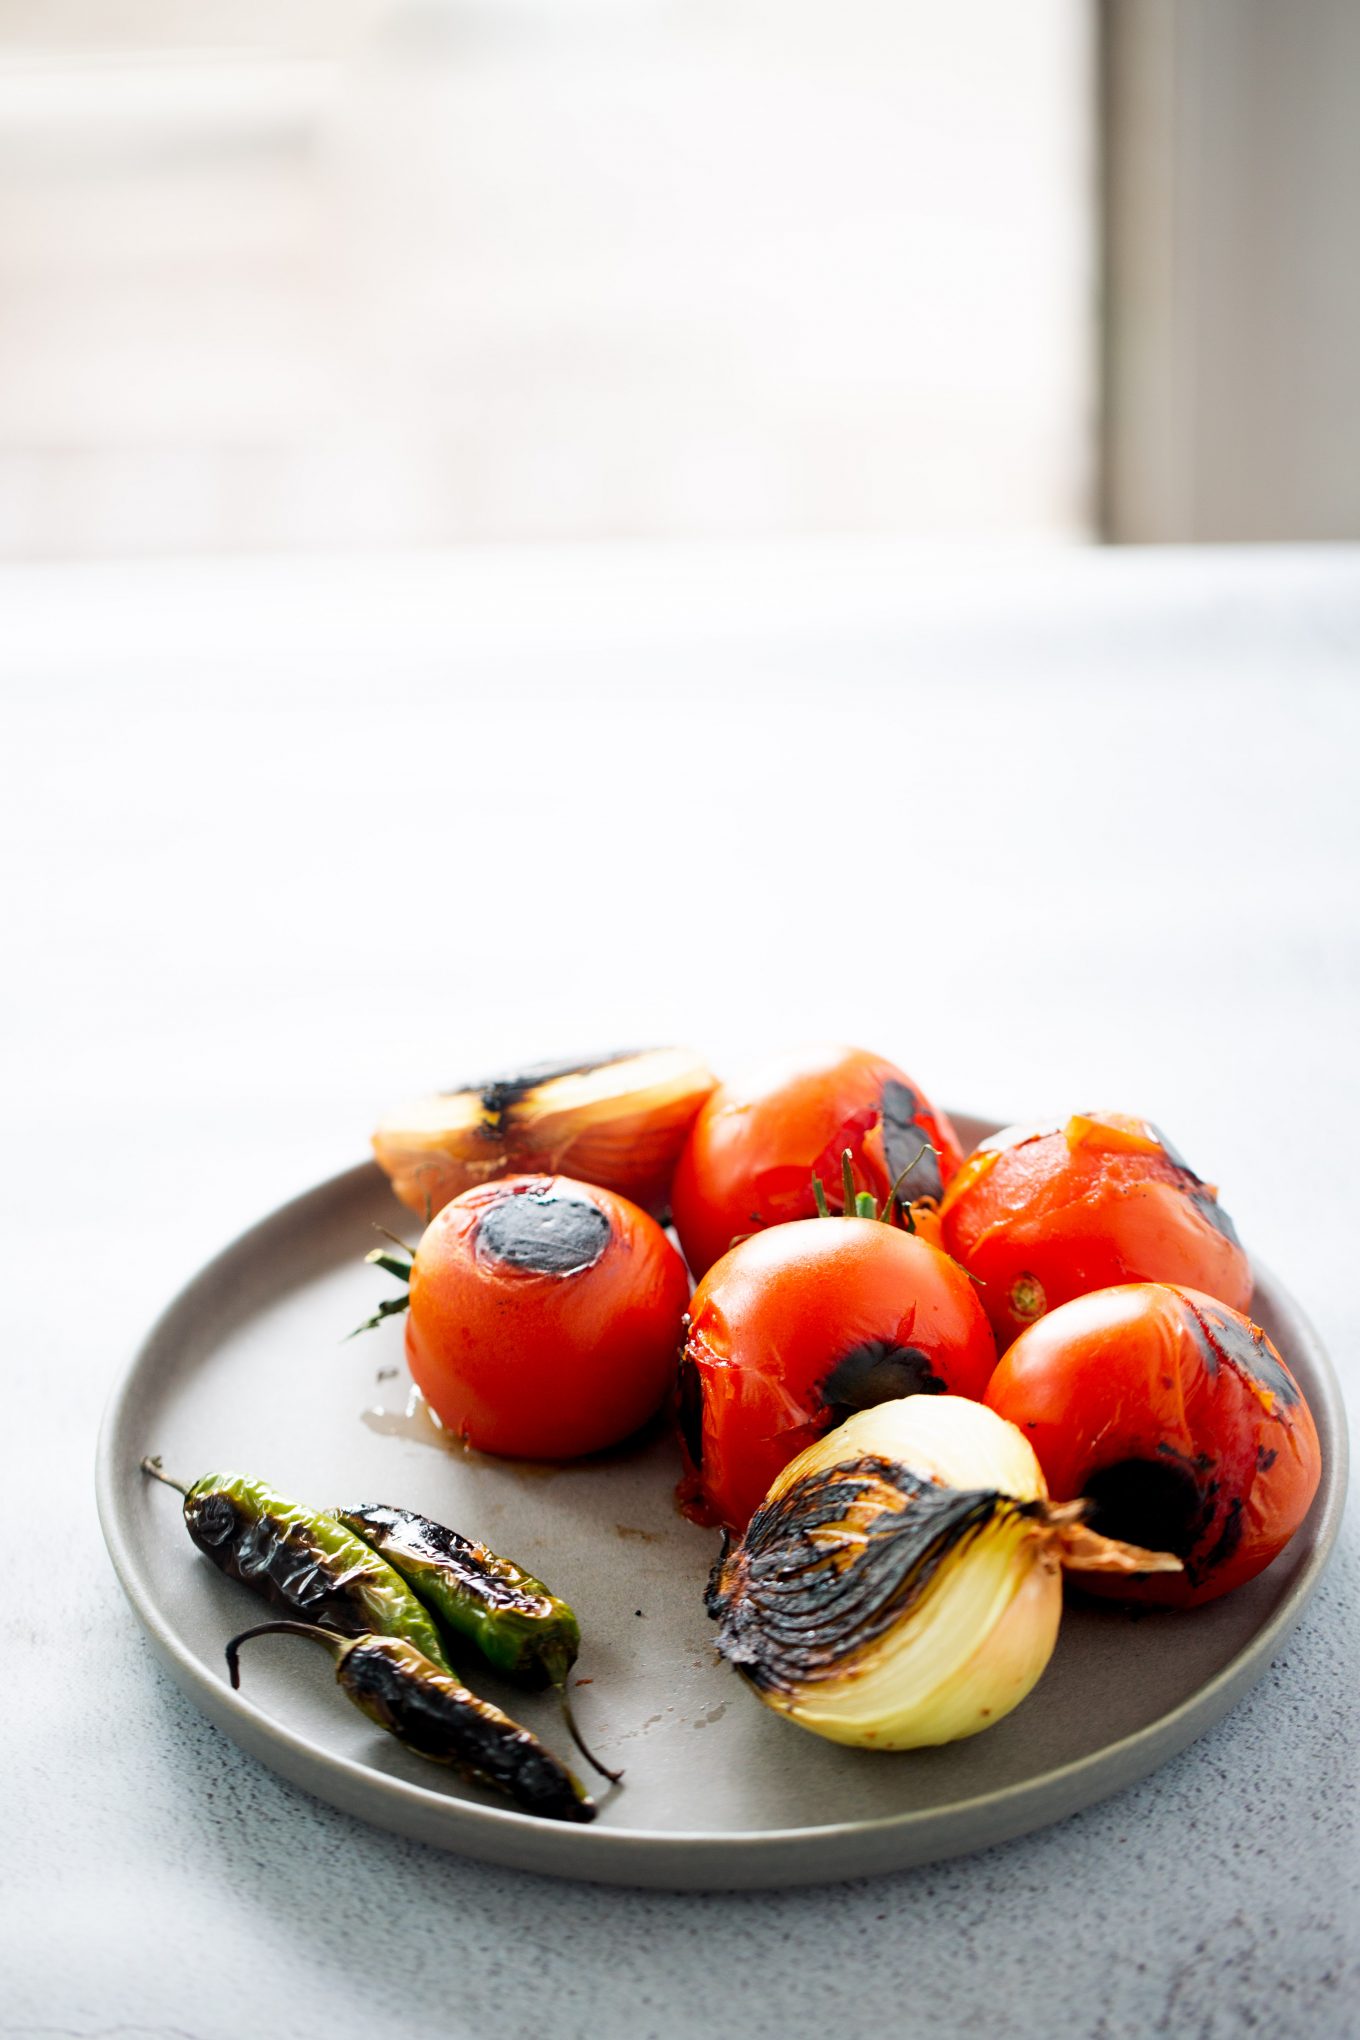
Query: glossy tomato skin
{"type": "Point", "coordinates": [1042, 1216]}
{"type": "Point", "coordinates": [759, 1140]}
{"type": "Point", "coordinates": [1178, 1418]}
{"type": "Point", "coordinates": [545, 1316]}
{"type": "Point", "coordinates": [800, 1325]}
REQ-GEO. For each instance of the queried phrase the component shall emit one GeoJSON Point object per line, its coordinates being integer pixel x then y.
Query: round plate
{"type": "Point", "coordinates": [249, 1368]}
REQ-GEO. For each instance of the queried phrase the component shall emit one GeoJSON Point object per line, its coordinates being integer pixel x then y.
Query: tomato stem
{"type": "Point", "coordinates": [380, 1258]}
{"type": "Point", "coordinates": [861, 1203]}
{"type": "Point", "coordinates": [406, 1249]}
{"type": "Point", "coordinates": [1027, 1299]}
{"type": "Point", "coordinates": [394, 1265]}
{"type": "Point", "coordinates": [925, 1148]}
{"type": "Point", "coordinates": [392, 1307]}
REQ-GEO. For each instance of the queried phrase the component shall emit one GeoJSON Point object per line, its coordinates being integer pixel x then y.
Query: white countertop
{"type": "Point", "coordinates": [284, 841]}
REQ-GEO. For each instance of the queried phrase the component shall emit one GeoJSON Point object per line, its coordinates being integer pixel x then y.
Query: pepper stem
{"type": "Point", "coordinates": [574, 1732]}
{"type": "Point", "coordinates": [152, 1465]}
{"type": "Point", "coordinates": [335, 1644]}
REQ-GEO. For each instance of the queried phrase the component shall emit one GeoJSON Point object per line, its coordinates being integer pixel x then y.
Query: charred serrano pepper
{"type": "Point", "coordinates": [399, 1687]}
{"type": "Point", "coordinates": [301, 1559]}
{"type": "Point", "coordinates": [521, 1629]}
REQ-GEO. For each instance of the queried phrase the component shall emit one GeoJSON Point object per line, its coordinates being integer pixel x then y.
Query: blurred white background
{"type": "Point", "coordinates": [378, 272]}
{"type": "Point", "coordinates": [381, 273]}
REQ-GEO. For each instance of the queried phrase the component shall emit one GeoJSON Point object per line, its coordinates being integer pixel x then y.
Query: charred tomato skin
{"type": "Point", "coordinates": [1178, 1418]}
{"type": "Point", "coordinates": [1042, 1216]}
{"type": "Point", "coordinates": [798, 1326]}
{"type": "Point", "coordinates": [758, 1141]}
{"type": "Point", "coordinates": [544, 1317]}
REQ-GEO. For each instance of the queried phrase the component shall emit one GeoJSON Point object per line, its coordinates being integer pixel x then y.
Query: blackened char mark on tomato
{"type": "Point", "coordinates": [1171, 1503]}
{"type": "Point", "coordinates": [1200, 1195]}
{"type": "Point", "coordinates": [1218, 1218]}
{"type": "Point", "coordinates": [543, 1235]}
{"type": "Point", "coordinates": [906, 1145]}
{"type": "Point", "coordinates": [1162, 1504]}
{"type": "Point", "coordinates": [1173, 1153]}
{"type": "Point", "coordinates": [1225, 1544]}
{"type": "Point", "coordinates": [1225, 1339]}
{"type": "Point", "coordinates": [689, 1409]}
{"type": "Point", "coordinates": [877, 1372]}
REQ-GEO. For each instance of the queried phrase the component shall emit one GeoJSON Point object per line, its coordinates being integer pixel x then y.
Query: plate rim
{"type": "Point", "coordinates": [727, 1858]}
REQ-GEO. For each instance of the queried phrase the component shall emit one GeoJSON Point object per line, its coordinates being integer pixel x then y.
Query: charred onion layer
{"type": "Point", "coordinates": [834, 1562]}
{"type": "Point", "coordinates": [617, 1120]}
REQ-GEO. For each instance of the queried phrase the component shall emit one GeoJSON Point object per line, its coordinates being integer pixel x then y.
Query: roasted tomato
{"type": "Point", "coordinates": [801, 1325]}
{"type": "Point", "coordinates": [759, 1141]}
{"type": "Point", "coordinates": [1042, 1215]}
{"type": "Point", "coordinates": [544, 1317]}
{"type": "Point", "coordinates": [1178, 1419]}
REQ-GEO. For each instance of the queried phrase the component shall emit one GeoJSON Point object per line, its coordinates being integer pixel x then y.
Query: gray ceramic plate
{"type": "Point", "coordinates": [248, 1368]}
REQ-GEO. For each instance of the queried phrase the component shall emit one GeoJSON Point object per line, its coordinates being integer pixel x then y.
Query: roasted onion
{"type": "Point", "coordinates": [902, 1583]}
{"type": "Point", "coordinates": [619, 1121]}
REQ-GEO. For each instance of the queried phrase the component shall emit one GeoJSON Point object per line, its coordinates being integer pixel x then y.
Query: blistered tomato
{"type": "Point", "coordinates": [758, 1142]}
{"type": "Point", "coordinates": [544, 1317]}
{"type": "Point", "coordinates": [1042, 1216]}
{"type": "Point", "coordinates": [801, 1325]}
{"type": "Point", "coordinates": [1178, 1419]}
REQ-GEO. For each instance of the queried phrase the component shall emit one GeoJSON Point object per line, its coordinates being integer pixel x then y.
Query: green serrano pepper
{"type": "Point", "coordinates": [431, 1713]}
{"type": "Point", "coordinates": [302, 1560]}
{"type": "Point", "coordinates": [521, 1629]}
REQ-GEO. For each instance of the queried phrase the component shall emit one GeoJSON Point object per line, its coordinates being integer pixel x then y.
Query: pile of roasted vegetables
{"type": "Point", "coordinates": [914, 1388]}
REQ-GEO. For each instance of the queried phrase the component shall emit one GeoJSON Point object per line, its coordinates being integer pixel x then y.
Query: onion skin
{"type": "Point", "coordinates": [1182, 1421]}
{"type": "Point", "coordinates": [619, 1121]}
{"type": "Point", "coordinates": [919, 1602]}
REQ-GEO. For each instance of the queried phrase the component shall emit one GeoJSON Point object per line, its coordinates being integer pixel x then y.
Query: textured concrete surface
{"type": "Point", "coordinates": [282, 844]}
